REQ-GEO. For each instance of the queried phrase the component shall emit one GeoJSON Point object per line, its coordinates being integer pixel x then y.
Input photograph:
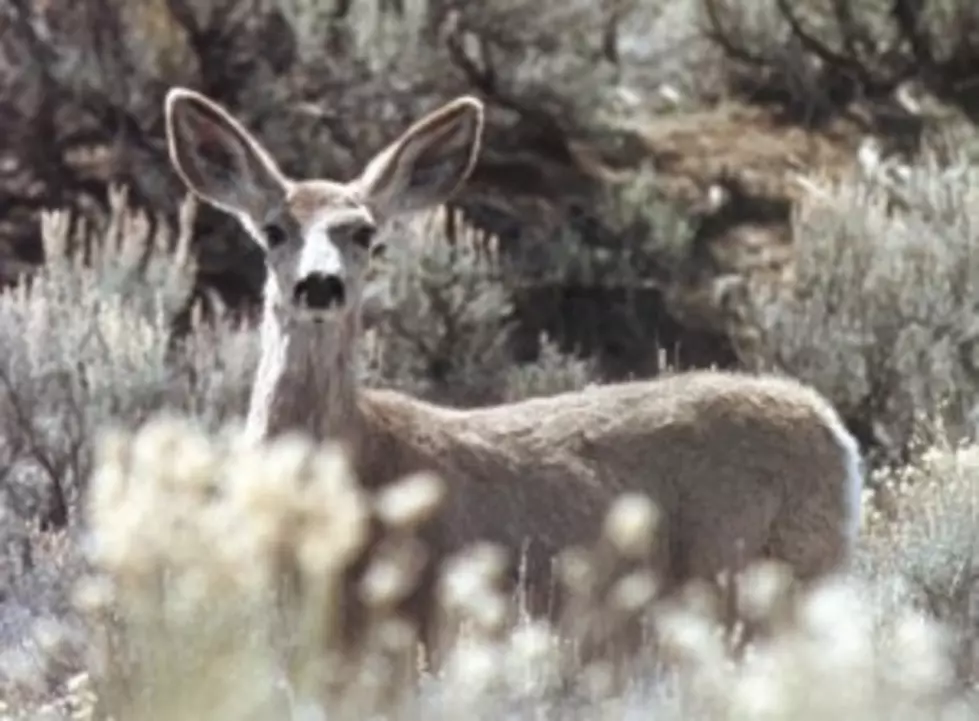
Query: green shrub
{"type": "Point", "coordinates": [881, 314]}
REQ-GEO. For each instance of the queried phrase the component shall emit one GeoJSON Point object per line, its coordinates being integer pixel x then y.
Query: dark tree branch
{"type": "Point", "coordinates": [847, 65]}
{"type": "Point", "coordinates": [717, 33]}
{"type": "Point", "coordinates": [907, 17]}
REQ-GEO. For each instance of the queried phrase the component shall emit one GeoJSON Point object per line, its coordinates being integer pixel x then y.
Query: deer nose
{"type": "Point", "coordinates": [319, 291]}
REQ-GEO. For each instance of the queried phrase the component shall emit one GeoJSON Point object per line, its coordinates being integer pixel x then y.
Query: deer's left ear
{"type": "Point", "coordinates": [220, 161]}
{"type": "Point", "coordinates": [428, 163]}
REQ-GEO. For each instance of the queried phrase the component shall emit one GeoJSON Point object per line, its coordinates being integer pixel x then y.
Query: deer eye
{"type": "Point", "coordinates": [275, 235]}
{"type": "Point", "coordinates": [363, 236]}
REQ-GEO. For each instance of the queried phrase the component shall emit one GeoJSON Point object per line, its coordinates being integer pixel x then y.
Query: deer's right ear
{"type": "Point", "coordinates": [428, 163]}
{"type": "Point", "coordinates": [217, 158]}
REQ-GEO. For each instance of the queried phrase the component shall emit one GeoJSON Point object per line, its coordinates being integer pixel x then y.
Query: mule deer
{"type": "Point", "coordinates": [741, 466]}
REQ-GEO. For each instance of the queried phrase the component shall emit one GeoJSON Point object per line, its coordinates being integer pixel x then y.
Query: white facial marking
{"type": "Point", "coordinates": [319, 253]}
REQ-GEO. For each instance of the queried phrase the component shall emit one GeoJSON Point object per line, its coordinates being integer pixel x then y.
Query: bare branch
{"type": "Point", "coordinates": [718, 34]}
{"type": "Point", "coordinates": [907, 15]}
{"type": "Point", "coordinates": [849, 65]}
{"type": "Point", "coordinates": [57, 512]}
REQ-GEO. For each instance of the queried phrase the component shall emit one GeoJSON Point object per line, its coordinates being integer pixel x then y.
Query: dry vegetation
{"type": "Point", "coordinates": [684, 182]}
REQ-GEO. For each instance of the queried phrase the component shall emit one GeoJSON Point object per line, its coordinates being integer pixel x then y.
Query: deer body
{"type": "Point", "coordinates": [741, 466]}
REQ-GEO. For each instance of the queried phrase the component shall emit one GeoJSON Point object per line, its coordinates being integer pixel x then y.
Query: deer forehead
{"type": "Point", "coordinates": [318, 205]}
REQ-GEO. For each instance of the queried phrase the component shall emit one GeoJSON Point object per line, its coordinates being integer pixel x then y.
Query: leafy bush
{"type": "Point", "coordinates": [923, 543]}
{"type": "Point", "coordinates": [447, 333]}
{"type": "Point", "coordinates": [881, 312]}
{"type": "Point", "coordinates": [87, 340]}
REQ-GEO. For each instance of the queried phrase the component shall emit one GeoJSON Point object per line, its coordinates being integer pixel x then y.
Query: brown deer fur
{"type": "Point", "coordinates": [741, 466]}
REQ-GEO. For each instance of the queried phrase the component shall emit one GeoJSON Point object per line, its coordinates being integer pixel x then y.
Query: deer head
{"type": "Point", "coordinates": [319, 236]}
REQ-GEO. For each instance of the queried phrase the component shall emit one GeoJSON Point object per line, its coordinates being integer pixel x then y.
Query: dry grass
{"type": "Point", "coordinates": [192, 535]}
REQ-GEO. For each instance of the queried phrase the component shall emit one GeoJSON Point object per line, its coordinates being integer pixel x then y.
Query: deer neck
{"type": "Point", "coordinates": [306, 379]}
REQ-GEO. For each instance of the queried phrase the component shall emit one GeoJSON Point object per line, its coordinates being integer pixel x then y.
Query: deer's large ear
{"type": "Point", "coordinates": [427, 163]}
{"type": "Point", "coordinates": [217, 158]}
